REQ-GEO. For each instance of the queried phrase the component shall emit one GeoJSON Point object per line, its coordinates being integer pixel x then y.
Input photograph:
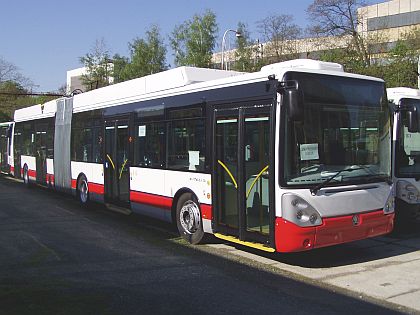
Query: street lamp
{"type": "Point", "coordinates": [237, 33]}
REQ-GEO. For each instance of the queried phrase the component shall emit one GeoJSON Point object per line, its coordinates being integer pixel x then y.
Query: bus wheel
{"type": "Point", "coordinates": [83, 190]}
{"type": "Point", "coordinates": [26, 176]}
{"type": "Point", "coordinates": [188, 219]}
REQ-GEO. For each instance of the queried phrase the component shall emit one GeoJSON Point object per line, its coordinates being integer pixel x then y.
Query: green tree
{"type": "Point", "coordinates": [120, 62]}
{"type": "Point", "coordinates": [247, 56]}
{"type": "Point", "coordinates": [402, 67]}
{"type": "Point", "coordinates": [194, 40]}
{"type": "Point", "coordinates": [98, 65]}
{"type": "Point", "coordinates": [147, 56]}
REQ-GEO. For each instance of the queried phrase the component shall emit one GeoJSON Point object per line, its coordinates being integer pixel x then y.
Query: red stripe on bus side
{"type": "Point", "coordinates": [152, 200]}
{"type": "Point", "coordinates": [96, 188]}
{"type": "Point", "coordinates": [93, 187]}
{"type": "Point", "coordinates": [32, 173]}
{"type": "Point", "coordinates": [50, 178]}
{"type": "Point", "coordinates": [165, 202]}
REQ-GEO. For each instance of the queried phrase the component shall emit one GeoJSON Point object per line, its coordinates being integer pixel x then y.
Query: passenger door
{"type": "Point", "coordinates": [241, 183]}
{"type": "Point", "coordinates": [117, 161]}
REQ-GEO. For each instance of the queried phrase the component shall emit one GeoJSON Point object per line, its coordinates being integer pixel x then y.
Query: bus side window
{"type": "Point", "coordinates": [150, 145]}
{"type": "Point", "coordinates": [186, 144]}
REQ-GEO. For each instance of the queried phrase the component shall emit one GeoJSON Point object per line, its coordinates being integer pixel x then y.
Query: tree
{"type": "Point", "coordinates": [14, 96]}
{"type": "Point", "coordinates": [280, 34]}
{"type": "Point", "coordinates": [147, 56]}
{"type": "Point", "coordinates": [339, 18]}
{"type": "Point", "coordinates": [194, 40]}
{"type": "Point", "coordinates": [247, 56]}
{"type": "Point", "coordinates": [9, 72]}
{"type": "Point", "coordinates": [98, 66]}
{"type": "Point", "coordinates": [120, 62]}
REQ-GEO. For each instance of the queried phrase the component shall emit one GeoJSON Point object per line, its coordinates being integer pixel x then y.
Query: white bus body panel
{"type": "Point", "coordinates": [167, 183]}
{"type": "Point", "coordinates": [30, 161]}
{"type": "Point", "coordinates": [50, 166]}
{"type": "Point", "coordinates": [94, 172]}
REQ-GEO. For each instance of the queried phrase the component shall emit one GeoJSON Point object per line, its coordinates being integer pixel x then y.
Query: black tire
{"type": "Point", "coordinates": [26, 176]}
{"type": "Point", "coordinates": [83, 191]}
{"type": "Point", "coordinates": [188, 219]}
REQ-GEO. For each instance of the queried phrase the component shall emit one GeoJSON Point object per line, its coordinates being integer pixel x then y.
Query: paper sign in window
{"type": "Point", "coordinates": [194, 157]}
{"type": "Point", "coordinates": [309, 151]}
{"type": "Point", "coordinates": [142, 131]}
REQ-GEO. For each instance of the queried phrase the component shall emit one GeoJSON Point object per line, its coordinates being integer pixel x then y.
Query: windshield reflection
{"type": "Point", "coordinates": [345, 127]}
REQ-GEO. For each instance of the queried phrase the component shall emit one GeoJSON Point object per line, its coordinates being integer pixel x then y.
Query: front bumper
{"type": "Point", "coordinates": [336, 230]}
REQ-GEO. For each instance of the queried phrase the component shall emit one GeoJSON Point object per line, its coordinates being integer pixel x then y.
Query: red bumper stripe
{"type": "Point", "coordinates": [293, 238]}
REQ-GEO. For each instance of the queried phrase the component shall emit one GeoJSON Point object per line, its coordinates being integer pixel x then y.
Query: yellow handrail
{"type": "Point", "coordinates": [255, 180]}
{"type": "Point", "coordinates": [230, 174]}
{"type": "Point", "coordinates": [122, 167]}
{"type": "Point", "coordinates": [112, 163]}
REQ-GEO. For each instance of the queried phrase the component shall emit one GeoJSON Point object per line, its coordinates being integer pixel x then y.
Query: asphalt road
{"type": "Point", "coordinates": [58, 258]}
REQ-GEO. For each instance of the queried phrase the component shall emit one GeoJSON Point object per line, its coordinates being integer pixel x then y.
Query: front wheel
{"type": "Point", "coordinates": [188, 219]}
{"type": "Point", "coordinates": [83, 190]}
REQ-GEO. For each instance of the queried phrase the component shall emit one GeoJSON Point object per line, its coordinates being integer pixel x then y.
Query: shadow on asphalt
{"type": "Point", "coordinates": [216, 285]}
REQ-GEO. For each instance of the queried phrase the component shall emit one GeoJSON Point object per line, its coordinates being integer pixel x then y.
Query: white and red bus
{"type": "Point", "coordinates": [293, 157]}
{"type": "Point", "coordinates": [406, 153]}
{"type": "Point", "coordinates": [6, 138]}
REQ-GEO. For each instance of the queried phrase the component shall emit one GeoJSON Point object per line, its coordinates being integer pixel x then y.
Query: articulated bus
{"type": "Point", "coordinates": [6, 138]}
{"type": "Point", "coordinates": [406, 153]}
{"type": "Point", "coordinates": [294, 157]}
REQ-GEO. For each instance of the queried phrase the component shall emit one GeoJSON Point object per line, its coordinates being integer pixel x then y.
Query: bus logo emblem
{"type": "Point", "coordinates": [355, 219]}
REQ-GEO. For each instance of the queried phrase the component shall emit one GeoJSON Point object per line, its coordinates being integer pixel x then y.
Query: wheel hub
{"type": "Point", "coordinates": [190, 217]}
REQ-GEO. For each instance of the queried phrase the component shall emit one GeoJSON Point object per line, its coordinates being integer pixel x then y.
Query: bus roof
{"type": "Point", "coordinates": [179, 81]}
{"type": "Point", "coordinates": [395, 94]}
{"type": "Point", "coordinates": [38, 111]}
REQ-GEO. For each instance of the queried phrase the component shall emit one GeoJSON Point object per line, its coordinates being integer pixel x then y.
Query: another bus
{"type": "Point", "coordinates": [406, 151]}
{"type": "Point", "coordinates": [5, 146]}
{"type": "Point", "coordinates": [294, 157]}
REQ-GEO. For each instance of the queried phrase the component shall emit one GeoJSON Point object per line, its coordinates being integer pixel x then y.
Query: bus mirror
{"type": "Point", "coordinates": [413, 116]}
{"type": "Point", "coordinates": [293, 100]}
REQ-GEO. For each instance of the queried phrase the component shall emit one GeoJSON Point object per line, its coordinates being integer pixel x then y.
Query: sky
{"type": "Point", "coordinates": [46, 38]}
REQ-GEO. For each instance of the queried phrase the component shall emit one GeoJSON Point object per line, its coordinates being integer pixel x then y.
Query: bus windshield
{"type": "Point", "coordinates": [345, 126]}
{"type": "Point", "coordinates": [407, 150]}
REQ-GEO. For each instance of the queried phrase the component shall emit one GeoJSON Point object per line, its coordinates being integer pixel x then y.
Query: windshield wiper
{"type": "Point", "coordinates": [388, 179]}
{"type": "Point", "coordinates": [315, 189]}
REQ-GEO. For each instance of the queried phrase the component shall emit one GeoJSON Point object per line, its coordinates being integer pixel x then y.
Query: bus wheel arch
{"type": "Point", "coordinates": [186, 212]}
{"type": "Point", "coordinates": [82, 189]}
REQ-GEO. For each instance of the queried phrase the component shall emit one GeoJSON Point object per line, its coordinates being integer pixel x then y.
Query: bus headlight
{"type": "Point", "coordinates": [408, 192]}
{"type": "Point", "coordinates": [299, 211]}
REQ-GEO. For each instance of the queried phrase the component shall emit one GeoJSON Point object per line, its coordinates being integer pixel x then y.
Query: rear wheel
{"type": "Point", "coordinates": [188, 219]}
{"type": "Point", "coordinates": [83, 190]}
